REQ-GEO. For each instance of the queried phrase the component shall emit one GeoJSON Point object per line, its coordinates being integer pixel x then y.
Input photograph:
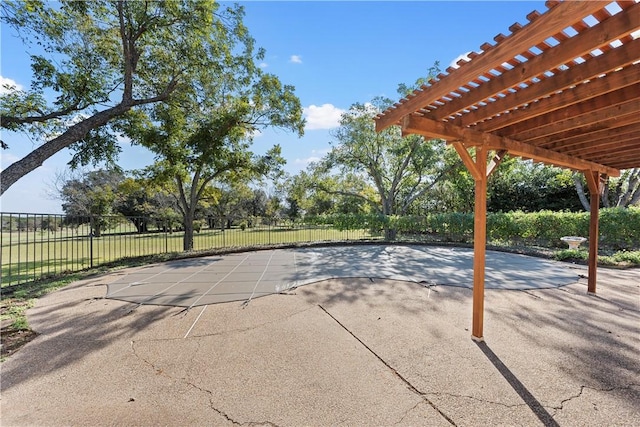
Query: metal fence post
{"type": "Point", "coordinates": [166, 236]}
{"type": "Point", "coordinates": [91, 241]}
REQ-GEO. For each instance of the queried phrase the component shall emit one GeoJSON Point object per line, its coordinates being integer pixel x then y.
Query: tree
{"type": "Point", "coordinates": [227, 203]}
{"type": "Point", "coordinates": [530, 187]}
{"type": "Point", "coordinates": [102, 60]}
{"type": "Point", "coordinates": [256, 206]}
{"type": "Point", "coordinates": [621, 192]}
{"type": "Point", "coordinates": [401, 169]}
{"type": "Point", "coordinates": [314, 192]}
{"type": "Point", "coordinates": [138, 200]}
{"type": "Point", "coordinates": [452, 193]}
{"type": "Point", "coordinates": [203, 136]}
{"type": "Point", "coordinates": [91, 198]}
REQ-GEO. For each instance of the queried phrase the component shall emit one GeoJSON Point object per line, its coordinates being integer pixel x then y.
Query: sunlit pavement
{"type": "Point", "coordinates": [352, 351]}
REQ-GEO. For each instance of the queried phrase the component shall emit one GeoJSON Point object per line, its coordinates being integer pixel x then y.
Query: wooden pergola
{"type": "Point", "coordinates": [563, 89]}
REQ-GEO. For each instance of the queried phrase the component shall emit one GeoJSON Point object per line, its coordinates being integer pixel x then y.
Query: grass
{"type": "Point", "coordinates": [33, 255]}
{"type": "Point", "coordinates": [15, 331]}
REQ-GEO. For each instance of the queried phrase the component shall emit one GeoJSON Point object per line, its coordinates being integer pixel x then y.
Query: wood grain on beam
{"type": "Point", "coordinates": [620, 145]}
{"type": "Point", "coordinates": [576, 115]}
{"type": "Point", "coordinates": [615, 116]}
{"type": "Point", "coordinates": [593, 130]}
{"type": "Point", "coordinates": [602, 136]}
{"type": "Point", "coordinates": [447, 131]}
{"type": "Point", "coordinates": [552, 22]}
{"type": "Point", "coordinates": [581, 44]}
{"type": "Point", "coordinates": [553, 100]}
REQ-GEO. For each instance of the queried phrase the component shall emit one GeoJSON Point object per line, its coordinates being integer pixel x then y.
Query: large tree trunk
{"type": "Point", "coordinates": [75, 133]}
{"type": "Point", "coordinates": [390, 233]}
{"type": "Point", "coordinates": [631, 195]}
{"type": "Point", "coordinates": [187, 242]}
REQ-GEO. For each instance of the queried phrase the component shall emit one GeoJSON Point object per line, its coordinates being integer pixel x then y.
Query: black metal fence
{"type": "Point", "coordinates": [40, 245]}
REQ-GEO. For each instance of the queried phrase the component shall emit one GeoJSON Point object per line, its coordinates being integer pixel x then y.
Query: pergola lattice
{"type": "Point", "coordinates": [564, 90]}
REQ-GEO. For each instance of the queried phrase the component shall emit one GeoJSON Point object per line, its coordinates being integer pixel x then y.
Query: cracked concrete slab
{"type": "Point", "coordinates": [353, 351]}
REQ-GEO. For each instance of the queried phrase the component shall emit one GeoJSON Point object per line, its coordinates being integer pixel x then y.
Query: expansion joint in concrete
{"type": "Point", "coordinates": [391, 368]}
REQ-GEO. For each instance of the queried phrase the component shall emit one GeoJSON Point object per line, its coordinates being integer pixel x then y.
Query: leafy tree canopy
{"type": "Point", "coordinates": [203, 135]}
{"type": "Point", "coordinates": [95, 63]}
{"type": "Point", "coordinates": [401, 169]}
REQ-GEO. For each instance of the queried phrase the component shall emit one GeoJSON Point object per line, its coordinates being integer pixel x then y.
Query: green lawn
{"type": "Point", "coordinates": [31, 255]}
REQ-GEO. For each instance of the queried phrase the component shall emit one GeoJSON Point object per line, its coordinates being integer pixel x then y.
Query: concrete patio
{"type": "Point", "coordinates": [348, 351]}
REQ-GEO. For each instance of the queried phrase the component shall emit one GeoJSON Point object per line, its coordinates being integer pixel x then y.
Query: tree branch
{"type": "Point", "coordinates": [349, 194]}
{"type": "Point", "coordinates": [580, 190]}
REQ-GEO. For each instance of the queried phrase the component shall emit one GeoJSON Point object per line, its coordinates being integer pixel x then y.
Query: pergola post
{"type": "Point", "coordinates": [478, 170]}
{"type": "Point", "coordinates": [479, 242]}
{"type": "Point", "coordinates": [593, 181]}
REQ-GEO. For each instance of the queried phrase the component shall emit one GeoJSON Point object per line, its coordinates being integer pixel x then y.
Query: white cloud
{"type": "Point", "coordinates": [296, 59]}
{"type": "Point", "coordinates": [464, 56]}
{"type": "Point", "coordinates": [326, 116]}
{"type": "Point", "coordinates": [5, 81]}
{"type": "Point", "coordinates": [308, 160]}
{"type": "Point", "coordinates": [316, 156]}
{"type": "Point", "coordinates": [263, 65]}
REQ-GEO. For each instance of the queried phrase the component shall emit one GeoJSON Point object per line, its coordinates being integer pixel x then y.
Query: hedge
{"type": "Point", "coordinates": [619, 228]}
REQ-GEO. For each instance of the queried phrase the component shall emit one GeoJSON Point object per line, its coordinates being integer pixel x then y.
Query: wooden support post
{"type": "Point", "coordinates": [478, 169]}
{"type": "Point", "coordinates": [479, 242]}
{"type": "Point", "coordinates": [593, 181]}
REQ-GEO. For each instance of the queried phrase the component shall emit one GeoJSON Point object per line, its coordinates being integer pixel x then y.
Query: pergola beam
{"type": "Point", "coordinates": [554, 21]}
{"type": "Point", "coordinates": [560, 122]}
{"type": "Point", "coordinates": [540, 93]}
{"type": "Point", "coordinates": [436, 129]}
{"type": "Point", "coordinates": [583, 91]}
{"type": "Point", "coordinates": [589, 130]}
{"type": "Point", "coordinates": [612, 29]}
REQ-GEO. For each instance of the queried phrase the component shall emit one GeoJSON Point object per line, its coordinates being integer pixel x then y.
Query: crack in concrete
{"type": "Point", "coordinates": [582, 389]}
{"type": "Point", "coordinates": [159, 371]}
{"type": "Point", "coordinates": [485, 401]}
{"type": "Point", "coordinates": [464, 396]}
{"type": "Point", "coordinates": [391, 368]}
{"type": "Point", "coordinates": [555, 409]}
{"type": "Point", "coordinates": [410, 410]}
{"type": "Point", "coordinates": [258, 326]}
{"type": "Point", "coordinates": [531, 294]}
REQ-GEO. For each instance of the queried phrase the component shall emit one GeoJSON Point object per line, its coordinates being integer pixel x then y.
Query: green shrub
{"type": "Point", "coordinates": [632, 257]}
{"type": "Point", "coordinates": [619, 228]}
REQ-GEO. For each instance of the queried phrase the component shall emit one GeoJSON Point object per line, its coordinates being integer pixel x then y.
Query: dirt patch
{"type": "Point", "coordinates": [11, 340]}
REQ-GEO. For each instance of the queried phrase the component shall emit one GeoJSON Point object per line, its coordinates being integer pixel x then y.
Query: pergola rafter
{"type": "Point", "coordinates": [564, 90]}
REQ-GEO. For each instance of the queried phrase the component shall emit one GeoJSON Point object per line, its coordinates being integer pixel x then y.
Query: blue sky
{"type": "Point", "coordinates": [334, 53]}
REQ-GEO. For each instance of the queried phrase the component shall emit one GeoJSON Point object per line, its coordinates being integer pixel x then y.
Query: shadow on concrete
{"type": "Point", "coordinates": [536, 407]}
{"type": "Point", "coordinates": [65, 339]}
